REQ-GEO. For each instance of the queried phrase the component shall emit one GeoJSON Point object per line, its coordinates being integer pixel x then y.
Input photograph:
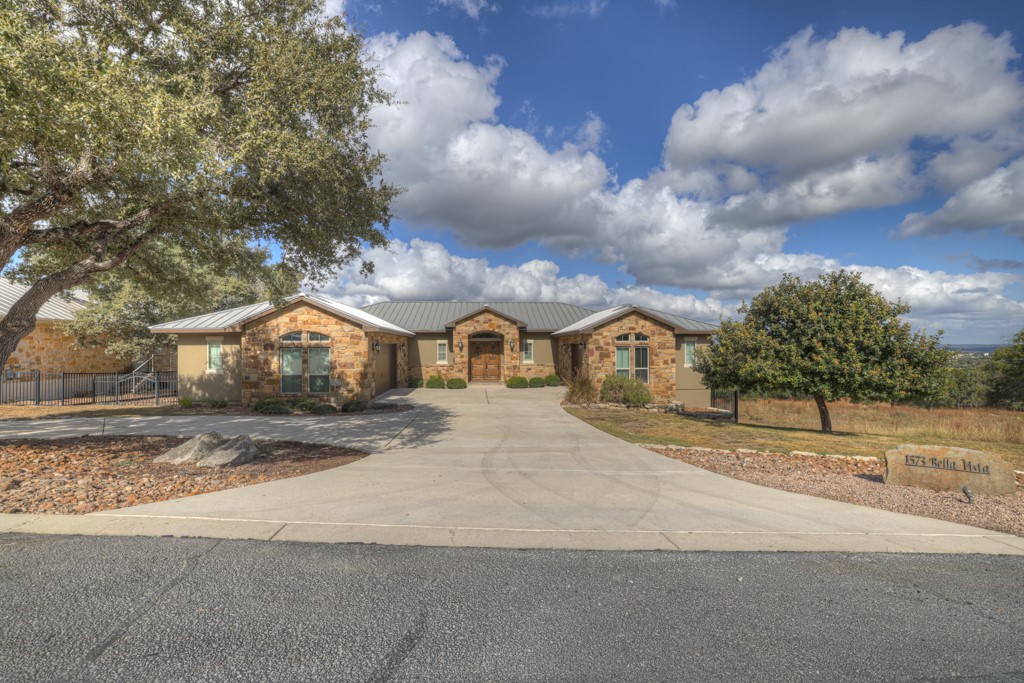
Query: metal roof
{"type": "Point", "coordinates": [60, 307]}
{"type": "Point", "coordinates": [433, 316]}
{"type": "Point", "coordinates": [681, 324]}
{"type": "Point", "coordinates": [232, 319]}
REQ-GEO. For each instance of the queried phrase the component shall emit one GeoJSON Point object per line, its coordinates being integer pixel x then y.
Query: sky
{"type": "Point", "coordinates": [685, 155]}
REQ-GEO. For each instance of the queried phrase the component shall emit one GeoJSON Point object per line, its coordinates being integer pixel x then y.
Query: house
{"type": "Point", "coordinates": [310, 345]}
{"type": "Point", "coordinates": [47, 348]}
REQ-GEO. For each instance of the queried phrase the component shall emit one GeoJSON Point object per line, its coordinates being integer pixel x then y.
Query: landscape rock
{"type": "Point", "coordinates": [212, 450]}
{"type": "Point", "coordinates": [945, 468]}
{"type": "Point", "coordinates": [8, 483]}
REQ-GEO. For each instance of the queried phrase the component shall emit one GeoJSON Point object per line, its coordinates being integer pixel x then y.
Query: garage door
{"type": "Point", "coordinates": [385, 373]}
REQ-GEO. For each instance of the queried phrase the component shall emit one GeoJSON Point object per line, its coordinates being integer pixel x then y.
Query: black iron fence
{"type": "Point", "coordinates": [726, 400]}
{"type": "Point", "coordinates": [78, 388]}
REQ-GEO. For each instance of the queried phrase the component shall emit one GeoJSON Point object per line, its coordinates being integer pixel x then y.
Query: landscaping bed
{"type": "Point", "coordinates": [79, 475]}
{"type": "Point", "coordinates": [857, 481]}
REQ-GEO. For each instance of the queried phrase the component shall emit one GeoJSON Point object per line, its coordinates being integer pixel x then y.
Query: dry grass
{"type": "Point", "coordinates": [866, 430]}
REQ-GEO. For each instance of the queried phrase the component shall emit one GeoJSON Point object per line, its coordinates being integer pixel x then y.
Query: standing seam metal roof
{"type": "Point", "coordinates": [57, 308]}
{"type": "Point", "coordinates": [608, 314]}
{"type": "Point", "coordinates": [432, 316]}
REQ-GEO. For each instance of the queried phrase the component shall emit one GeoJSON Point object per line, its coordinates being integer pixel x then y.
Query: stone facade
{"type": "Point", "coordinates": [351, 358]}
{"type": "Point", "coordinates": [564, 358]}
{"type": "Point", "coordinates": [48, 349]}
{"type": "Point", "coordinates": [401, 362]}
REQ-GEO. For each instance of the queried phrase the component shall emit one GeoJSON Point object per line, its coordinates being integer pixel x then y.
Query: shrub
{"type": "Point", "coordinates": [416, 383]}
{"type": "Point", "coordinates": [517, 382]}
{"type": "Point", "coordinates": [185, 402]}
{"type": "Point", "coordinates": [552, 380]}
{"type": "Point", "coordinates": [323, 409]}
{"type": "Point", "coordinates": [217, 403]}
{"type": "Point", "coordinates": [536, 382]}
{"type": "Point", "coordinates": [435, 382]}
{"type": "Point", "coordinates": [613, 389]}
{"type": "Point", "coordinates": [353, 406]}
{"type": "Point", "coordinates": [581, 388]}
{"type": "Point", "coordinates": [305, 405]}
{"type": "Point", "coordinates": [637, 395]}
{"type": "Point", "coordinates": [271, 406]}
{"type": "Point", "coordinates": [456, 383]}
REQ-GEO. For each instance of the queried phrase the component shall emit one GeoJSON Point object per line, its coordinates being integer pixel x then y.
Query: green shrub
{"type": "Point", "coordinates": [581, 388]}
{"type": "Point", "coordinates": [185, 402]}
{"type": "Point", "coordinates": [435, 382]}
{"type": "Point", "coordinates": [536, 382]}
{"type": "Point", "coordinates": [552, 380]}
{"type": "Point", "coordinates": [305, 405]}
{"type": "Point", "coordinates": [353, 406]}
{"type": "Point", "coordinates": [517, 382]}
{"type": "Point", "coordinates": [456, 383]}
{"type": "Point", "coordinates": [613, 389]}
{"type": "Point", "coordinates": [323, 409]}
{"type": "Point", "coordinates": [217, 403]}
{"type": "Point", "coordinates": [271, 406]}
{"type": "Point", "coordinates": [637, 395]}
{"type": "Point", "coordinates": [416, 383]}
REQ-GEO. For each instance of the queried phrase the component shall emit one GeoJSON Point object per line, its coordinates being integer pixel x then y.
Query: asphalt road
{"type": "Point", "coordinates": [162, 609]}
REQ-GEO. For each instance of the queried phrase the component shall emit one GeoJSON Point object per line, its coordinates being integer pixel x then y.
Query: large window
{"type": "Point", "coordinates": [622, 361]}
{"type": "Point", "coordinates": [319, 370]}
{"type": "Point", "coordinates": [640, 357]}
{"type": "Point", "coordinates": [442, 353]}
{"type": "Point", "coordinates": [214, 354]}
{"type": "Point", "coordinates": [291, 371]}
{"type": "Point", "coordinates": [689, 351]}
{"type": "Point", "coordinates": [528, 351]}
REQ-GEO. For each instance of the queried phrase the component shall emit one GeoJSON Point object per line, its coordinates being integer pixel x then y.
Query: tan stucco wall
{"type": "Point", "coordinates": [193, 379]}
{"type": "Point", "coordinates": [544, 353]}
{"type": "Point", "coordinates": [48, 349]}
{"type": "Point", "coordinates": [423, 358]}
{"type": "Point", "coordinates": [689, 390]}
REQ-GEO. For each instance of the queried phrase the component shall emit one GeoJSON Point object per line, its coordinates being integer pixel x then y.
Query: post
{"type": "Point", "coordinates": [39, 386]}
{"type": "Point", "coordinates": [156, 388]}
{"type": "Point", "coordinates": [736, 406]}
{"type": "Point", "coordinates": [117, 388]}
{"type": "Point", "coordinates": [62, 387]}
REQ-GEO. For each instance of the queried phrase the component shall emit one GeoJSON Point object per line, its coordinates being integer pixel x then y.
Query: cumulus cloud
{"type": "Point", "coordinates": [995, 201]}
{"type": "Point", "coordinates": [471, 7]}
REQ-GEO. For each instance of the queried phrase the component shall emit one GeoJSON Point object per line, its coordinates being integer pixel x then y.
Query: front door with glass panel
{"type": "Point", "coordinates": [485, 361]}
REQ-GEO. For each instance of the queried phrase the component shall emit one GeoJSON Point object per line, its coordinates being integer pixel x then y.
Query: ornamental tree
{"type": "Point", "coordinates": [220, 127]}
{"type": "Point", "coordinates": [831, 338]}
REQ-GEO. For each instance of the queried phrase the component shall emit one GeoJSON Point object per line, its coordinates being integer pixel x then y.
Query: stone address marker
{"type": "Point", "coordinates": [944, 468]}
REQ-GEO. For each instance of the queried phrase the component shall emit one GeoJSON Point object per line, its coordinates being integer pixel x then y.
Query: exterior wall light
{"type": "Point", "coordinates": [460, 345]}
{"type": "Point", "coordinates": [511, 345]}
{"type": "Point", "coordinates": [376, 346]}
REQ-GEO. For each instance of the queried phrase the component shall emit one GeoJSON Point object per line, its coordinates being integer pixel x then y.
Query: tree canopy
{"type": "Point", "coordinates": [218, 127]}
{"type": "Point", "coordinates": [831, 338]}
{"type": "Point", "coordinates": [1007, 375]}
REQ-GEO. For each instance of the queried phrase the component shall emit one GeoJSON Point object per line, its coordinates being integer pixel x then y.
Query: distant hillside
{"type": "Point", "coordinates": [975, 348]}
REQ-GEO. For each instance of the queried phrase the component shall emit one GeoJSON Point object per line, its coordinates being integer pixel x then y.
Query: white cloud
{"type": "Point", "coordinates": [561, 10]}
{"type": "Point", "coordinates": [995, 201]}
{"type": "Point", "coordinates": [471, 7]}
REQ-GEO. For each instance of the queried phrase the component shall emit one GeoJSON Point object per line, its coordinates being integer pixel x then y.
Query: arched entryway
{"type": "Point", "coordinates": [485, 353]}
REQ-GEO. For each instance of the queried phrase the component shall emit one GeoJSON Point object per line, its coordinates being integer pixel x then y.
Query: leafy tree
{"type": "Point", "coordinates": [123, 303]}
{"type": "Point", "coordinates": [831, 338]}
{"type": "Point", "coordinates": [1007, 375]}
{"type": "Point", "coordinates": [214, 126]}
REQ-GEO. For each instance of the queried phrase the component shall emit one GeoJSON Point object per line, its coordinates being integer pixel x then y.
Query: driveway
{"type": "Point", "coordinates": [490, 466]}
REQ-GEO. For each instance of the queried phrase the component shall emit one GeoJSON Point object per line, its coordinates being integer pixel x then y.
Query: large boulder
{"type": "Point", "coordinates": [212, 450]}
{"type": "Point", "coordinates": [946, 468]}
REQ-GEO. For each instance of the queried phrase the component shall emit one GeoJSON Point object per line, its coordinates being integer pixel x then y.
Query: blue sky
{"type": "Point", "coordinates": [685, 155]}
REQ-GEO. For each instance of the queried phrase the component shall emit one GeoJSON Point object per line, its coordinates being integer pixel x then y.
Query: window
{"type": "Point", "coordinates": [640, 354]}
{"type": "Point", "coordinates": [214, 354]}
{"type": "Point", "coordinates": [442, 353]}
{"type": "Point", "coordinates": [318, 337]}
{"type": "Point", "coordinates": [319, 370]}
{"type": "Point", "coordinates": [689, 351]}
{"type": "Point", "coordinates": [641, 337]}
{"type": "Point", "coordinates": [292, 337]}
{"type": "Point", "coordinates": [291, 371]}
{"type": "Point", "coordinates": [528, 351]}
{"type": "Point", "coordinates": [622, 361]}
{"type": "Point", "coordinates": [623, 338]}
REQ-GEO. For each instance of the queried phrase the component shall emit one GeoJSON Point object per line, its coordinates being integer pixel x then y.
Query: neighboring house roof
{"type": "Point", "coordinates": [231, 320]}
{"type": "Point", "coordinates": [437, 316]}
{"type": "Point", "coordinates": [679, 323]}
{"type": "Point", "coordinates": [57, 308]}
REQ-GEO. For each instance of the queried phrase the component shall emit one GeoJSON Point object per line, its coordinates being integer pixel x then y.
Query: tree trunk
{"type": "Point", "coordinates": [826, 420]}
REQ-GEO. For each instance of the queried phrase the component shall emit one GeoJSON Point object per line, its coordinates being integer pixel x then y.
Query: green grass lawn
{"type": "Point", "coordinates": [641, 426]}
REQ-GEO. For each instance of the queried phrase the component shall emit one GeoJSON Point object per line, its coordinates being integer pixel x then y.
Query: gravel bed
{"type": "Point", "coordinates": [857, 481]}
{"type": "Point", "coordinates": [79, 475]}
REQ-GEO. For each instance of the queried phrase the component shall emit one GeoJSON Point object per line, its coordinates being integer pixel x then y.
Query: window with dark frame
{"type": "Point", "coordinates": [291, 371]}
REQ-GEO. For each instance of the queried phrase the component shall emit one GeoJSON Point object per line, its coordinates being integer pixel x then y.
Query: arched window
{"type": "Point", "coordinates": [318, 337]}
{"type": "Point", "coordinates": [641, 337]}
{"type": "Point", "coordinates": [623, 338]}
{"type": "Point", "coordinates": [292, 337]}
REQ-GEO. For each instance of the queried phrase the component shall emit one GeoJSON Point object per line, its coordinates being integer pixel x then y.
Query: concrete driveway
{"type": "Point", "coordinates": [490, 466]}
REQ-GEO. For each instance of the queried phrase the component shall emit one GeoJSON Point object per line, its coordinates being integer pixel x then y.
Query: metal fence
{"type": "Point", "coordinates": [728, 401]}
{"type": "Point", "coordinates": [78, 388]}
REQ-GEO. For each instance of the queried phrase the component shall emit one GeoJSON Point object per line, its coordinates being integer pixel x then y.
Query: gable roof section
{"type": "Point", "coordinates": [57, 308]}
{"type": "Point", "coordinates": [232, 319]}
{"type": "Point", "coordinates": [485, 307]}
{"type": "Point", "coordinates": [679, 324]}
{"type": "Point", "coordinates": [435, 316]}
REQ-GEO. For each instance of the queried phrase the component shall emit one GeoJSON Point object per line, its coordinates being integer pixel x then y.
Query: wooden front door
{"type": "Point", "coordinates": [485, 361]}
